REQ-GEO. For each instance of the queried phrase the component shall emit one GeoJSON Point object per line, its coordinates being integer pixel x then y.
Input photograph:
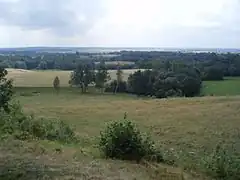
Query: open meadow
{"type": "Point", "coordinates": [44, 78]}
{"type": "Point", "coordinates": [31, 78]}
{"type": "Point", "coordinates": [230, 86]}
{"type": "Point", "coordinates": [185, 129]}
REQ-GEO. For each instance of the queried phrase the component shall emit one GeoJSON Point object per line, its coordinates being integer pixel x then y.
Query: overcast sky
{"type": "Point", "coordinates": [120, 23]}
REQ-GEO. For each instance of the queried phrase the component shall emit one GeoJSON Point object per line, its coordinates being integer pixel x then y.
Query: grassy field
{"type": "Point", "coordinates": [230, 86]}
{"type": "Point", "coordinates": [28, 78]}
{"type": "Point", "coordinates": [187, 129]}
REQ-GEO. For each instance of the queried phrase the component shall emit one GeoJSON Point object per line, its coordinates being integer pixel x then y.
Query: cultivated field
{"type": "Point", "coordinates": [29, 78]}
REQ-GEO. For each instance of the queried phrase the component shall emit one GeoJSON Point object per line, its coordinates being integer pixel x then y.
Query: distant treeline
{"type": "Point", "coordinates": [227, 64]}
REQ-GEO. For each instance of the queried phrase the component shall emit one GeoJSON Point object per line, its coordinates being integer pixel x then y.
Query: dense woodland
{"type": "Point", "coordinates": [227, 64]}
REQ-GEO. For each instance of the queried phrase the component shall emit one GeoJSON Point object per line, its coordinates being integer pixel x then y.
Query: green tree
{"type": "Point", "coordinates": [141, 82]}
{"type": "Point", "coordinates": [82, 76]}
{"type": "Point", "coordinates": [42, 65]}
{"type": "Point", "coordinates": [56, 84]}
{"type": "Point", "coordinates": [6, 90]}
{"type": "Point", "coordinates": [102, 76]}
{"type": "Point", "coordinates": [119, 77]}
{"type": "Point", "coordinates": [213, 74]}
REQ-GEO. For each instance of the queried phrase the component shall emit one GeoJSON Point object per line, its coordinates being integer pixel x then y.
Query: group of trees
{"type": "Point", "coordinates": [186, 82]}
{"type": "Point", "coordinates": [161, 84]}
{"type": "Point", "coordinates": [85, 74]}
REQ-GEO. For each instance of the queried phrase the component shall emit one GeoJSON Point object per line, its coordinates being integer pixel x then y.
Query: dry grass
{"type": "Point", "coordinates": [29, 78]}
{"type": "Point", "coordinates": [184, 127]}
{"type": "Point", "coordinates": [36, 160]}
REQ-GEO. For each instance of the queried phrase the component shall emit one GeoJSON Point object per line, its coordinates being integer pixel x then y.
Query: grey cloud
{"type": "Point", "coordinates": [58, 16]}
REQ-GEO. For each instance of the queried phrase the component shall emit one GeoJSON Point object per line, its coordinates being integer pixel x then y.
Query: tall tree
{"type": "Point", "coordinates": [119, 77]}
{"type": "Point", "coordinates": [82, 76]}
{"type": "Point", "coordinates": [6, 90]}
{"type": "Point", "coordinates": [56, 84]}
{"type": "Point", "coordinates": [102, 76]}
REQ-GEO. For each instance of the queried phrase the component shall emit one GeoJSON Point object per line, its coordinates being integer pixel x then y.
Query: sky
{"type": "Point", "coordinates": [120, 23]}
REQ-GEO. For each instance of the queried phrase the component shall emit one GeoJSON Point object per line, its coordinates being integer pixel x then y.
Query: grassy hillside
{"type": "Point", "coordinates": [186, 129]}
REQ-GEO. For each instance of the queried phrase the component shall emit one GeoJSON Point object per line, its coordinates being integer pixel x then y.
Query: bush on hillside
{"type": "Point", "coordinates": [6, 90]}
{"type": "Point", "coordinates": [23, 127]}
{"type": "Point", "coordinates": [221, 164]}
{"type": "Point", "coordinates": [122, 140]}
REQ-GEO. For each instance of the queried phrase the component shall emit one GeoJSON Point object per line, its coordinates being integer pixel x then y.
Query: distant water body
{"type": "Point", "coordinates": [216, 50]}
{"type": "Point", "coordinates": [117, 49]}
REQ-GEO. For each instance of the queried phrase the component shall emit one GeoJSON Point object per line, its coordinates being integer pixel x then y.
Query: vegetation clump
{"type": "Point", "coordinates": [23, 127]}
{"type": "Point", "coordinates": [222, 164]}
{"type": "Point", "coordinates": [122, 140]}
{"type": "Point", "coordinates": [13, 121]}
{"type": "Point", "coordinates": [6, 90]}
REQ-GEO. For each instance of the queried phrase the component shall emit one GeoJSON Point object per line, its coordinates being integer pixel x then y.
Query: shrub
{"type": "Point", "coordinates": [122, 140]}
{"type": "Point", "coordinates": [222, 164]}
{"type": "Point", "coordinates": [23, 127]}
{"type": "Point", "coordinates": [6, 90]}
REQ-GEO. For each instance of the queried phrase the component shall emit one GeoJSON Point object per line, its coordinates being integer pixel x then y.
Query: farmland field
{"type": "Point", "coordinates": [29, 78]}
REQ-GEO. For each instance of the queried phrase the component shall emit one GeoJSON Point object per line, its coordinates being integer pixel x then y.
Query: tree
{"type": "Point", "coordinates": [141, 82]}
{"type": "Point", "coordinates": [213, 74]}
{"type": "Point", "coordinates": [56, 84]}
{"type": "Point", "coordinates": [119, 77]}
{"type": "Point", "coordinates": [190, 82]}
{"type": "Point", "coordinates": [42, 65]}
{"type": "Point", "coordinates": [102, 76]}
{"type": "Point", "coordinates": [111, 87]}
{"type": "Point", "coordinates": [165, 84]}
{"type": "Point", "coordinates": [82, 76]}
{"type": "Point", "coordinates": [6, 90]}
{"type": "Point", "coordinates": [20, 65]}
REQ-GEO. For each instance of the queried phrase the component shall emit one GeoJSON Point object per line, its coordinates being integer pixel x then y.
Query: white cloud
{"type": "Point", "coordinates": [174, 23]}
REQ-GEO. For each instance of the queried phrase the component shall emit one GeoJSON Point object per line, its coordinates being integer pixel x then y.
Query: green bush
{"type": "Point", "coordinates": [222, 164]}
{"type": "Point", "coordinates": [23, 127]}
{"type": "Point", "coordinates": [122, 140]}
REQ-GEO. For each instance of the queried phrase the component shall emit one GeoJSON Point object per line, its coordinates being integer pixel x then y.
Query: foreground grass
{"type": "Point", "coordinates": [186, 129]}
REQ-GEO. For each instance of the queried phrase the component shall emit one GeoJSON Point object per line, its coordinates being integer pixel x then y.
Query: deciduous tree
{"type": "Point", "coordinates": [119, 77]}
{"type": "Point", "coordinates": [82, 76]}
{"type": "Point", "coordinates": [102, 76]}
{"type": "Point", "coordinates": [56, 84]}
